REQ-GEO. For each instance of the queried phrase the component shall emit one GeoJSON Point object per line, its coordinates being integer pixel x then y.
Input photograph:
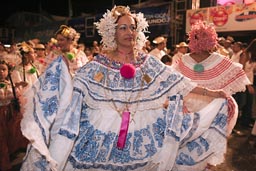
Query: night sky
{"type": "Point", "coordinates": [59, 7]}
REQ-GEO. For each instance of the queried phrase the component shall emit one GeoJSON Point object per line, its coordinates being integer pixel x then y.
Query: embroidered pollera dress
{"type": "Point", "coordinates": [218, 73]}
{"type": "Point", "coordinates": [79, 129]}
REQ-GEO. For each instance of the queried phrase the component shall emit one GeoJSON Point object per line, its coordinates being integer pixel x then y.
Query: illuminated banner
{"type": "Point", "coordinates": [240, 17]}
{"type": "Point", "coordinates": [158, 19]}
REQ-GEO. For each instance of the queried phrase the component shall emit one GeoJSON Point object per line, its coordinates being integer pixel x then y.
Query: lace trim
{"type": "Point", "coordinates": [220, 73]}
{"type": "Point", "coordinates": [164, 82]}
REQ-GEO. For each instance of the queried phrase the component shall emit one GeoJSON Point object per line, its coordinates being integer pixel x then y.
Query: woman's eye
{"type": "Point", "coordinates": [133, 28]}
{"type": "Point", "coordinates": [122, 27]}
{"type": "Point", "coordinates": [125, 27]}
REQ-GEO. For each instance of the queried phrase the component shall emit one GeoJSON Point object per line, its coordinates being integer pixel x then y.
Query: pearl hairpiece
{"type": "Point", "coordinates": [106, 28]}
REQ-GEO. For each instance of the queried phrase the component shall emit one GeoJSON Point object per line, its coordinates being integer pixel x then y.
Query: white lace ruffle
{"type": "Point", "coordinates": [219, 73]}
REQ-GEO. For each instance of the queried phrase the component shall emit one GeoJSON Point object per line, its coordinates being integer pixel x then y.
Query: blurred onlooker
{"type": "Point", "coordinates": [2, 50]}
{"type": "Point", "coordinates": [227, 45]}
{"type": "Point", "coordinates": [182, 48]}
{"type": "Point", "coordinates": [95, 48]}
{"type": "Point", "coordinates": [248, 60]}
{"type": "Point", "coordinates": [81, 46]}
{"type": "Point", "coordinates": [13, 56]}
{"type": "Point", "coordinates": [89, 53]}
{"type": "Point", "coordinates": [167, 59]}
{"type": "Point", "coordinates": [220, 47]}
{"type": "Point", "coordinates": [147, 47]}
{"type": "Point", "coordinates": [160, 46]}
{"type": "Point", "coordinates": [67, 39]}
{"type": "Point", "coordinates": [40, 57]}
{"type": "Point", "coordinates": [237, 51]}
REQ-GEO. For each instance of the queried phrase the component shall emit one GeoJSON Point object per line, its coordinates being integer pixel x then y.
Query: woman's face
{"type": "Point", "coordinates": [30, 57]}
{"type": "Point", "coordinates": [126, 32]}
{"type": "Point", "coordinates": [63, 43]}
{"type": "Point", "coordinates": [3, 71]}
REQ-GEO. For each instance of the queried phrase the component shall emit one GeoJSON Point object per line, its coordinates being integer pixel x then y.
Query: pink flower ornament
{"type": "Point", "coordinates": [128, 71]}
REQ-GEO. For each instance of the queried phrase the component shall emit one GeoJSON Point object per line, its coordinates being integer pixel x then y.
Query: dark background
{"type": "Point", "coordinates": [59, 7]}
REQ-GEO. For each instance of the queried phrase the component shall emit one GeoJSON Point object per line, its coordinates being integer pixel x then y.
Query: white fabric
{"type": "Point", "coordinates": [157, 53]}
{"type": "Point", "coordinates": [219, 73]}
{"type": "Point", "coordinates": [236, 56]}
{"type": "Point", "coordinates": [88, 129]}
{"type": "Point", "coordinates": [249, 69]}
{"type": "Point", "coordinates": [177, 57]}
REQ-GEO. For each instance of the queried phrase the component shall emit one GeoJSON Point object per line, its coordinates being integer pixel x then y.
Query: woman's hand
{"type": "Point", "coordinates": [208, 92]}
{"type": "Point", "coordinates": [217, 93]}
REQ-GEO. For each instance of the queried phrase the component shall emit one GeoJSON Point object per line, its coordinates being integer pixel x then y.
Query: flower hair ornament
{"type": "Point", "coordinates": [202, 37]}
{"type": "Point", "coordinates": [24, 48]}
{"type": "Point", "coordinates": [68, 32]}
{"type": "Point", "coordinates": [107, 27]}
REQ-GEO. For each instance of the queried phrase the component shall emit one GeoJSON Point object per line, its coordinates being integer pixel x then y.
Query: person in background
{"type": "Point", "coordinates": [6, 95]}
{"type": "Point", "coordinates": [11, 138]}
{"type": "Point", "coordinates": [40, 62]}
{"type": "Point", "coordinates": [182, 48]}
{"type": "Point", "coordinates": [67, 39]}
{"type": "Point", "coordinates": [26, 71]}
{"type": "Point", "coordinates": [167, 59]}
{"type": "Point", "coordinates": [2, 50]}
{"type": "Point", "coordinates": [147, 48]}
{"type": "Point", "coordinates": [237, 51]}
{"type": "Point", "coordinates": [81, 46]}
{"type": "Point", "coordinates": [51, 46]}
{"type": "Point", "coordinates": [113, 116]}
{"type": "Point", "coordinates": [227, 44]}
{"type": "Point", "coordinates": [248, 60]}
{"type": "Point", "coordinates": [95, 48]}
{"type": "Point", "coordinates": [89, 53]}
{"type": "Point", "coordinates": [211, 70]}
{"type": "Point", "coordinates": [13, 56]}
{"type": "Point", "coordinates": [160, 46]}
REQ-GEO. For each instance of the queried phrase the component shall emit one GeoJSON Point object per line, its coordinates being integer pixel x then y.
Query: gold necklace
{"type": "Point", "coordinates": [127, 101]}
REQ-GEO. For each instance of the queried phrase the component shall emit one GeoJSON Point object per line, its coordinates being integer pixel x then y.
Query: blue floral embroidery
{"type": "Point", "coordinates": [220, 120]}
{"type": "Point", "coordinates": [49, 106]}
{"type": "Point", "coordinates": [195, 145]}
{"type": "Point", "coordinates": [184, 159]}
{"type": "Point", "coordinates": [42, 164]}
{"type": "Point", "coordinates": [159, 131]}
{"type": "Point", "coordinates": [51, 79]}
{"type": "Point", "coordinates": [93, 145]}
{"type": "Point", "coordinates": [204, 143]}
{"type": "Point", "coordinates": [186, 123]}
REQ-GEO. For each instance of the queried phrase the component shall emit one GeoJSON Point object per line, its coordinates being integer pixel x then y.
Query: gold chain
{"type": "Point", "coordinates": [126, 102]}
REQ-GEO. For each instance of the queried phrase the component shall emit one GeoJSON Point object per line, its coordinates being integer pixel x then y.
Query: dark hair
{"type": "Point", "coordinates": [166, 58]}
{"type": "Point", "coordinates": [10, 67]}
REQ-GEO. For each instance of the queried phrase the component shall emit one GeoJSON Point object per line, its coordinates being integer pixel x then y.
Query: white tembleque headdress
{"type": "Point", "coordinates": [107, 27]}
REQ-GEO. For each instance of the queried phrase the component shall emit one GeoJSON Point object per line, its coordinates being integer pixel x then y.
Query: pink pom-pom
{"type": "Point", "coordinates": [128, 71]}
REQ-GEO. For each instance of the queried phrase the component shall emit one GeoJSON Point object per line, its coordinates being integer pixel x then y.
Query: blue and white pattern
{"type": "Point", "coordinates": [81, 133]}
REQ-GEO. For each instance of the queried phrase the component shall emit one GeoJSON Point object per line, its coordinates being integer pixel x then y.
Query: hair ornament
{"type": "Point", "coordinates": [24, 48]}
{"type": "Point", "coordinates": [70, 56]}
{"type": "Point", "coordinates": [202, 37]}
{"type": "Point", "coordinates": [2, 85]}
{"type": "Point", "coordinates": [32, 70]}
{"type": "Point", "coordinates": [107, 27]}
{"type": "Point", "coordinates": [68, 32]}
